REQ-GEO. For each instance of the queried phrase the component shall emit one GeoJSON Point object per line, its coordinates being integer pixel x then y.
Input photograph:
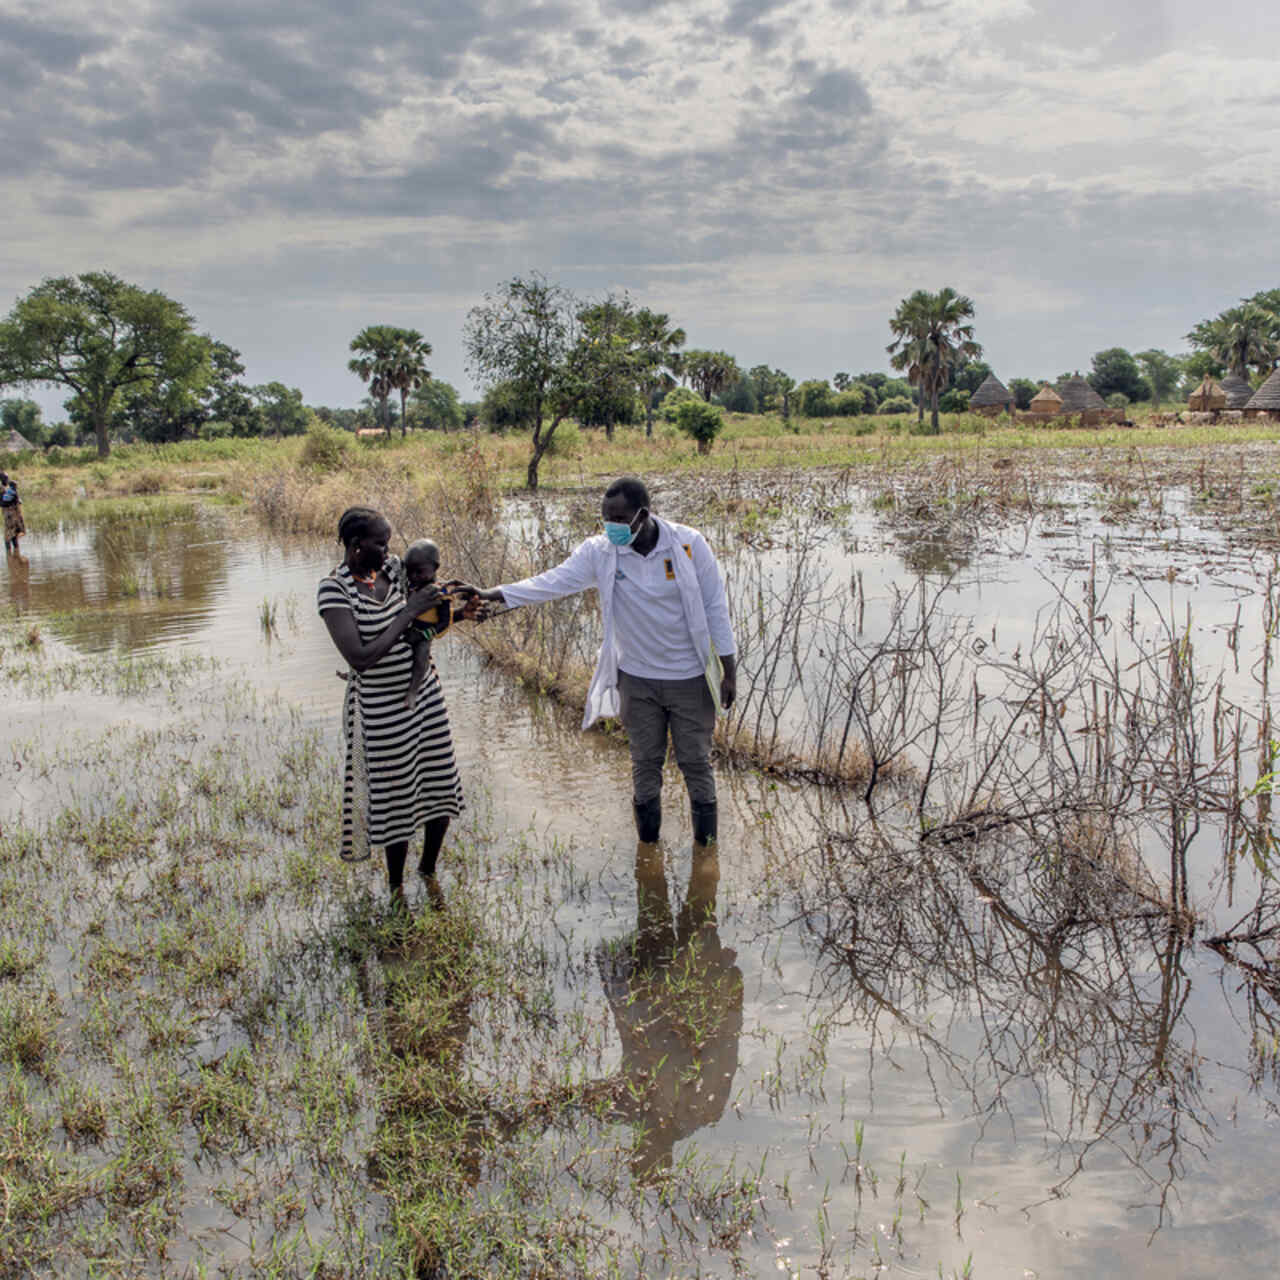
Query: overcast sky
{"type": "Point", "coordinates": [775, 174]}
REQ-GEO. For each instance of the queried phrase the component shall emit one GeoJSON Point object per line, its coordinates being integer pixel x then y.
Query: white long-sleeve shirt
{"type": "Point", "coordinates": [650, 629]}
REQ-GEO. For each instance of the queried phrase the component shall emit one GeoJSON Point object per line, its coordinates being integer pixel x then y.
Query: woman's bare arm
{"type": "Point", "coordinates": [346, 635]}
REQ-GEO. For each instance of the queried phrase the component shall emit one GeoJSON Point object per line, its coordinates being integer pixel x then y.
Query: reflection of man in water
{"type": "Point", "coordinates": [676, 996]}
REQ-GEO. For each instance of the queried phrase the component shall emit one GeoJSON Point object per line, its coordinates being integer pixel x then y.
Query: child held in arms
{"type": "Point", "coordinates": [421, 564]}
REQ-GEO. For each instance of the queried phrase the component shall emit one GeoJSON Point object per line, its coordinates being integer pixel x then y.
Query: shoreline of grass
{"type": "Point", "coordinates": [228, 468]}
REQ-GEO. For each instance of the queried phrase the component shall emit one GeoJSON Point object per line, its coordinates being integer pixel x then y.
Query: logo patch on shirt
{"type": "Point", "coordinates": [671, 572]}
{"type": "Point", "coordinates": [688, 550]}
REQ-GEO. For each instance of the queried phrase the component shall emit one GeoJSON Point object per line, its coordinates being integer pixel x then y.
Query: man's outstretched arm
{"type": "Point", "coordinates": [575, 574]}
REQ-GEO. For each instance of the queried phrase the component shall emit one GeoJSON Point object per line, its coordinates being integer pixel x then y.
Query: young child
{"type": "Point", "coordinates": [421, 563]}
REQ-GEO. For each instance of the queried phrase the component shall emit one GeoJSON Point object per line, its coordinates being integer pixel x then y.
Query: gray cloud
{"type": "Point", "coordinates": [744, 13]}
{"type": "Point", "coordinates": [779, 175]}
{"type": "Point", "coordinates": [48, 47]}
{"type": "Point", "coordinates": [841, 92]}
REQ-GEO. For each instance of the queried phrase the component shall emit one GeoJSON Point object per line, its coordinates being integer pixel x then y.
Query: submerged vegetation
{"type": "Point", "coordinates": [219, 1054]}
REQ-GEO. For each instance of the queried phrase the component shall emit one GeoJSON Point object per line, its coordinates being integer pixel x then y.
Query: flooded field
{"type": "Point", "coordinates": [1011, 1011]}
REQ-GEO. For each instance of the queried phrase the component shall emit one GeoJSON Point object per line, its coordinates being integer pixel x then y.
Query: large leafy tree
{"type": "Point", "coordinates": [1162, 372]}
{"type": "Point", "coordinates": [1241, 338]}
{"type": "Point", "coordinates": [1116, 371]}
{"type": "Point", "coordinates": [1195, 366]}
{"type": "Point", "coordinates": [710, 372]}
{"type": "Point", "coordinates": [969, 375]}
{"type": "Point", "coordinates": [227, 398]}
{"type": "Point", "coordinates": [609, 326]}
{"type": "Point", "coordinates": [772, 388]}
{"type": "Point", "coordinates": [282, 409]}
{"type": "Point", "coordinates": [99, 337]}
{"type": "Point", "coordinates": [932, 338]}
{"type": "Point", "coordinates": [161, 411]}
{"type": "Point", "coordinates": [435, 406]}
{"type": "Point", "coordinates": [1024, 391]}
{"type": "Point", "coordinates": [764, 385]}
{"type": "Point", "coordinates": [521, 335]}
{"type": "Point", "coordinates": [530, 335]}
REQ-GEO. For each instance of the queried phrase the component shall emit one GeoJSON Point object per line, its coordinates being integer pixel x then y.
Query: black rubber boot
{"type": "Point", "coordinates": [704, 821]}
{"type": "Point", "coordinates": [648, 820]}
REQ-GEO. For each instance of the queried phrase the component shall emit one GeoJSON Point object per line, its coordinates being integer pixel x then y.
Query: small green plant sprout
{"type": "Point", "coordinates": [267, 616]}
{"type": "Point", "coordinates": [1262, 840]}
{"type": "Point", "coordinates": [1267, 781]}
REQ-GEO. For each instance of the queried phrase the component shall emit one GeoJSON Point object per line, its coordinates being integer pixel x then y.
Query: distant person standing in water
{"type": "Point", "coordinates": [668, 654]}
{"type": "Point", "coordinates": [14, 525]}
{"type": "Point", "coordinates": [400, 775]}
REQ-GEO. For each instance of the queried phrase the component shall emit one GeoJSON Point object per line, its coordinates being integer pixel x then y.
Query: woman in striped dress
{"type": "Point", "coordinates": [400, 773]}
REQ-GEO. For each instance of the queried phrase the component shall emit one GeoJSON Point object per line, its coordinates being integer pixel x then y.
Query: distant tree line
{"type": "Point", "coordinates": [134, 367]}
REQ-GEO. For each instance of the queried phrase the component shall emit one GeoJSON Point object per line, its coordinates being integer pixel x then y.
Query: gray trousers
{"type": "Point", "coordinates": [685, 707]}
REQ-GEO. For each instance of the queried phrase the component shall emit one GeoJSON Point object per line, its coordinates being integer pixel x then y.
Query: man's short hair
{"type": "Point", "coordinates": [632, 489]}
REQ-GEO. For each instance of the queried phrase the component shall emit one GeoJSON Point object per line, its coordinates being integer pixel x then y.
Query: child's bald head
{"type": "Point", "coordinates": [421, 562]}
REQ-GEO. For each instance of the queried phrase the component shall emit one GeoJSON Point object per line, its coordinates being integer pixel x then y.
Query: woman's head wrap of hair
{"type": "Point", "coordinates": [355, 523]}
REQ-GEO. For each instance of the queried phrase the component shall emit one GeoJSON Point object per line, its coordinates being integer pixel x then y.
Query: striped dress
{"type": "Point", "coordinates": [400, 767]}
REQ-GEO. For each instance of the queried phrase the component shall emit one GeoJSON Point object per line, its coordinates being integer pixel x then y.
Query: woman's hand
{"type": "Point", "coordinates": [422, 598]}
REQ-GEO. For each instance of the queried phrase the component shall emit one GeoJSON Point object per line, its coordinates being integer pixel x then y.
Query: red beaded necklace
{"type": "Point", "coordinates": [369, 581]}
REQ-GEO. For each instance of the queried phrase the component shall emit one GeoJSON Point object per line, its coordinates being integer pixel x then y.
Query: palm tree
{"type": "Point", "coordinates": [1243, 337]}
{"type": "Point", "coordinates": [407, 368]}
{"type": "Point", "coordinates": [931, 340]}
{"type": "Point", "coordinates": [710, 371]}
{"type": "Point", "coordinates": [910, 324]}
{"type": "Point", "coordinates": [657, 356]}
{"type": "Point", "coordinates": [375, 346]}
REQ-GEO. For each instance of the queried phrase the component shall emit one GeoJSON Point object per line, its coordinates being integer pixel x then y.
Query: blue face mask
{"type": "Point", "coordinates": [621, 535]}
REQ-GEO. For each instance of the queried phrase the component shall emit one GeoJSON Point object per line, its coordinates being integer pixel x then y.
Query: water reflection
{"type": "Point", "coordinates": [675, 992]}
{"type": "Point", "coordinates": [1036, 980]}
{"type": "Point", "coordinates": [19, 580]}
{"type": "Point", "coordinates": [124, 582]}
{"type": "Point", "coordinates": [1057, 999]}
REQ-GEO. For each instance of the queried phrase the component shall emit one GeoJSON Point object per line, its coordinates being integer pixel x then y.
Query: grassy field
{"type": "Point", "coordinates": [232, 469]}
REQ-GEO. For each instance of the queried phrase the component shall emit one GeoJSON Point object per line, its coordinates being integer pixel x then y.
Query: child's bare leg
{"type": "Point", "coordinates": [421, 657]}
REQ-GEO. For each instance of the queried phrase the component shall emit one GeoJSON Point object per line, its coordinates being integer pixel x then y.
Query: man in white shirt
{"type": "Point", "coordinates": [668, 653]}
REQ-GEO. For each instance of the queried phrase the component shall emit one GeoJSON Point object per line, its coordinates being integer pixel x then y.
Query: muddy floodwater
{"type": "Point", "coordinates": [915, 1065]}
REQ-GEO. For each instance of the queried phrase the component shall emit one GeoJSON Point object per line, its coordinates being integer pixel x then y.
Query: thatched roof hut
{"type": "Point", "coordinates": [15, 443]}
{"type": "Point", "coordinates": [1238, 390]}
{"type": "Point", "coordinates": [1267, 397]}
{"type": "Point", "coordinates": [1208, 396]}
{"type": "Point", "coordinates": [1047, 400]}
{"type": "Point", "coordinates": [992, 394]}
{"type": "Point", "coordinates": [1078, 396]}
